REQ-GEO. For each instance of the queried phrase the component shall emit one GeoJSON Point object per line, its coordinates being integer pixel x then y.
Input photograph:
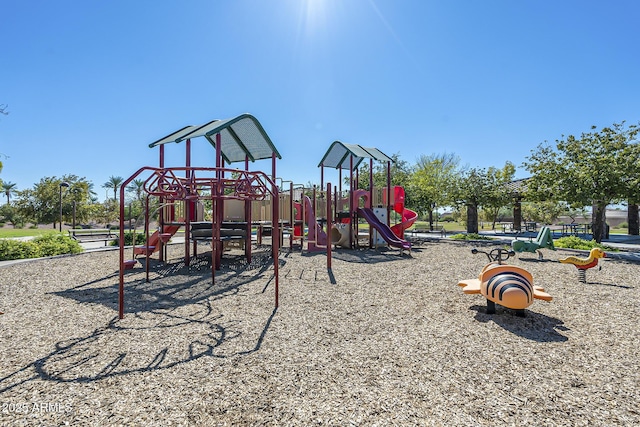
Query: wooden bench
{"type": "Point", "coordinates": [85, 235]}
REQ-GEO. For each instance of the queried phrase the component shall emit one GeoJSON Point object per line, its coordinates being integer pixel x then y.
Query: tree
{"type": "Point", "coordinates": [432, 182]}
{"type": "Point", "coordinates": [41, 205]}
{"type": "Point", "coordinates": [400, 171]}
{"type": "Point", "coordinates": [544, 212]}
{"type": "Point", "coordinates": [9, 188]}
{"type": "Point", "coordinates": [137, 188]}
{"type": "Point", "coordinates": [498, 194]}
{"type": "Point", "coordinates": [589, 170]}
{"type": "Point", "coordinates": [471, 190]}
{"type": "Point", "coordinates": [113, 183]}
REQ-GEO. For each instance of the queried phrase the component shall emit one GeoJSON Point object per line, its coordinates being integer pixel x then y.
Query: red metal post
{"type": "Point", "coordinates": [352, 222]}
{"type": "Point", "coordinates": [275, 243]}
{"type": "Point", "coordinates": [328, 225]}
{"type": "Point", "coordinates": [187, 210]}
{"type": "Point", "coordinates": [161, 200]}
{"type": "Point", "coordinates": [147, 249]}
{"type": "Point", "coordinates": [389, 193]}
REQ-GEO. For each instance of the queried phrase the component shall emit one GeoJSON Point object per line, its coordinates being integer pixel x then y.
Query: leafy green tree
{"type": "Point", "coordinates": [590, 170]}
{"type": "Point", "coordinates": [471, 191]}
{"type": "Point", "coordinates": [113, 183]}
{"type": "Point", "coordinates": [400, 172]}
{"type": "Point", "coordinates": [41, 204]}
{"type": "Point", "coordinates": [498, 194]}
{"type": "Point", "coordinates": [10, 214]}
{"type": "Point", "coordinates": [545, 212]}
{"type": "Point", "coordinates": [107, 212]}
{"type": "Point", "coordinates": [432, 183]}
{"type": "Point", "coordinates": [9, 189]}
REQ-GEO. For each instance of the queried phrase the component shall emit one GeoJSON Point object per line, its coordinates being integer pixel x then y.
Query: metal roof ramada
{"type": "Point", "coordinates": [338, 155]}
{"type": "Point", "coordinates": [241, 136]}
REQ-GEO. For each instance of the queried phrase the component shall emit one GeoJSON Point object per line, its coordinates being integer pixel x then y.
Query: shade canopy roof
{"type": "Point", "coordinates": [339, 155]}
{"type": "Point", "coordinates": [518, 187]}
{"type": "Point", "coordinates": [241, 137]}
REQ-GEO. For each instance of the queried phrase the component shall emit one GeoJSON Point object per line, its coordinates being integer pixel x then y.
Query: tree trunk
{"type": "Point", "coordinates": [472, 219]}
{"type": "Point", "coordinates": [517, 215]}
{"type": "Point", "coordinates": [430, 219]}
{"type": "Point", "coordinates": [599, 221]}
{"type": "Point", "coordinates": [633, 219]}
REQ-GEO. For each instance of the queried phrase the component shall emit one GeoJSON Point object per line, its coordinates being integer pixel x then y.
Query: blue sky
{"type": "Point", "coordinates": [90, 84]}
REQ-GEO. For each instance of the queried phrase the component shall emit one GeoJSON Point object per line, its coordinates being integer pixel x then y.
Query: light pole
{"type": "Point", "coordinates": [62, 184]}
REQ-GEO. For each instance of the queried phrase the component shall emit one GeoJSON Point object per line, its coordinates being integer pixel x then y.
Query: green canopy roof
{"type": "Point", "coordinates": [339, 154]}
{"type": "Point", "coordinates": [241, 137]}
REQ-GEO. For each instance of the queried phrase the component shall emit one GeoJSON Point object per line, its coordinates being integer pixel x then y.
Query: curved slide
{"type": "Point", "coordinates": [385, 231]}
{"type": "Point", "coordinates": [408, 216]}
{"type": "Point", "coordinates": [316, 236]}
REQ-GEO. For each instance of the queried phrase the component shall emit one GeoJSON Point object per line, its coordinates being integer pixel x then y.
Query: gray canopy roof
{"type": "Point", "coordinates": [241, 137]}
{"type": "Point", "coordinates": [338, 155]}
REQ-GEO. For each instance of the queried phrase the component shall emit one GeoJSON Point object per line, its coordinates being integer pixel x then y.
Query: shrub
{"type": "Point", "coordinates": [128, 239]}
{"type": "Point", "coordinates": [622, 225]}
{"type": "Point", "coordinates": [574, 242]}
{"type": "Point", "coordinates": [469, 236]}
{"type": "Point", "coordinates": [49, 244]}
{"type": "Point", "coordinates": [52, 244]}
{"type": "Point", "coordinates": [17, 249]}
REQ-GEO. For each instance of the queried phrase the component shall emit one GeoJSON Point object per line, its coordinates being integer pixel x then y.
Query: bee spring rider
{"type": "Point", "coordinates": [508, 285]}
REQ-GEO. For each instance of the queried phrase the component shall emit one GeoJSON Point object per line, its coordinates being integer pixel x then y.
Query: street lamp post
{"type": "Point", "coordinates": [62, 184]}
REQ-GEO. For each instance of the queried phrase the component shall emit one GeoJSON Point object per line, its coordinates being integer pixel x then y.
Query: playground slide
{"type": "Point", "coordinates": [408, 216]}
{"type": "Point", "coordinates": [385, 231]}
{"type": "Point", "coordinates": [316, 236]}
{"type": "Point", "coordinates": [154, 239]}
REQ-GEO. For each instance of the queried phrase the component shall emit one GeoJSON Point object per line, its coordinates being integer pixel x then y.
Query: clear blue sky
{"type": "Point", "coordinates": [90, 84]}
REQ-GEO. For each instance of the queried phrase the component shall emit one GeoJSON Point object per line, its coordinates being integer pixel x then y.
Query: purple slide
{"type": "Point", "coordinates": [316, 235]}
{"type": "Point", "coordinates": [387, 234]}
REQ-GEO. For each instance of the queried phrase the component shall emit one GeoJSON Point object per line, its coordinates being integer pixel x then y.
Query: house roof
{"type": "Point", "coordinates": [241, 137]}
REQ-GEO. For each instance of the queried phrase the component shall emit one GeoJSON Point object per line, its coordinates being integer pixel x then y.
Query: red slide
{"type": "Point", "coordinates": [408, 216]}
{"type": "Point", "coordinates": [154, 239]}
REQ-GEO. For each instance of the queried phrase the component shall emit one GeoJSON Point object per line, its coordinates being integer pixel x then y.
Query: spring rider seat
{"type": "Point", "coordinates": [508, 285]}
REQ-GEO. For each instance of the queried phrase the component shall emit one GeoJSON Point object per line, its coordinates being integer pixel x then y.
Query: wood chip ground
{"type": "Point", "coordinates": [392, 341]}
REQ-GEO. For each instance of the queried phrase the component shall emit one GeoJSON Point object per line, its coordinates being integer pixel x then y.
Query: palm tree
{"type": "Point", "coordinates": [137, 187]}
{"type": "Point", "coordinates": [9, 188]}
{"type": "Point", "coordinates": [113, 183]}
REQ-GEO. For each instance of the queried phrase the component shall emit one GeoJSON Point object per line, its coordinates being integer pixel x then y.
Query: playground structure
{"type": "Point", "coordinates": [181, 190]}
{"type": "Point", "coordinates": [372, 205]}
{"type": "Point", "coordinates": [543, 240]}
{"type": "Point", "coordinates": [242, 200]}
{"type": "Point", "coordinates": [507, 285]}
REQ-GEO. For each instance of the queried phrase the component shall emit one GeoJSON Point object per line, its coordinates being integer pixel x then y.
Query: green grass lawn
{"type": "Point", "coordinates": [7, 233]}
